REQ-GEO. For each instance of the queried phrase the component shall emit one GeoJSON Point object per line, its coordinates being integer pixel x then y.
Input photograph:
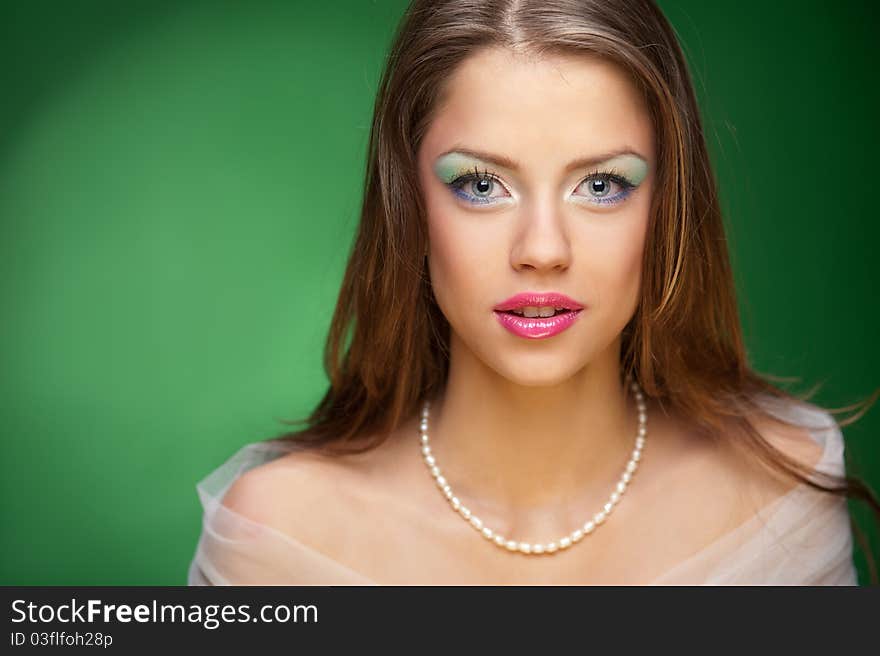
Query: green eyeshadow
{"type": "Point", "coordinates": [632, 167]}
{"type": "Point", "coordinates": [452, 165]}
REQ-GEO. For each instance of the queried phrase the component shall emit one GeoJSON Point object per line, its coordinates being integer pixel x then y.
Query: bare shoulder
{"type": "Point", "coordinates": [796, 442]}
{"type": "Point", "coordinates": [730, 454]}
{"type": "Point", "coordinates": [302, 494]}
{"type": "Point", "coordinates": [720, 483]}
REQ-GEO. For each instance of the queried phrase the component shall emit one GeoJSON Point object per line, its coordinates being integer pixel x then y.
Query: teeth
{"type": "Point", "coordinates": [533, 311]}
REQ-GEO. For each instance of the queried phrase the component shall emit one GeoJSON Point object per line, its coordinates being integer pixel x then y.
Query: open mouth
{"type": "Point", "coordinates": [519, 313]}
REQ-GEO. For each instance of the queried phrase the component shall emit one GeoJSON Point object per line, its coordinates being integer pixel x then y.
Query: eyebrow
{"type": "Point", "coordinates": [513, 165]}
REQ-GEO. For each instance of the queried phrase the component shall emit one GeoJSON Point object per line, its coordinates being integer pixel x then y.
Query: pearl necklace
{"type": "Point", "coordinates": [551, 547]}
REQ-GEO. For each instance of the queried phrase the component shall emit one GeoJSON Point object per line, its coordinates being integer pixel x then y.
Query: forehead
{"type": "Point", "coordinates": [540, 111]}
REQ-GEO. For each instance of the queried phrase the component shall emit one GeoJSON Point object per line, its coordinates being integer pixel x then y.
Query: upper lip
{"type": "Point", "coordinates": [538, 299]}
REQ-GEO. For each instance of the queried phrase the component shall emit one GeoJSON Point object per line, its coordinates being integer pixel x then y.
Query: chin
{"type": "Point", "coordinates": [536, 374]}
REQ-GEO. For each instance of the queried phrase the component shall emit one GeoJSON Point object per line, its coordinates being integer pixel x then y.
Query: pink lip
{"type": "Point", "coordinates": [538, 327]}
{"type": "Point", "coordinates": [538, 299]}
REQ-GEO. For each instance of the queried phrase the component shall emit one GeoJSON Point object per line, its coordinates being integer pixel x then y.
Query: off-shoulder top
{"type": "Point", "coordinates": [802, 537]}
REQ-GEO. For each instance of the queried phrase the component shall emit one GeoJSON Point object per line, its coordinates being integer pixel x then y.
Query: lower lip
{"type": "Point", "coordinates": [537, 327]}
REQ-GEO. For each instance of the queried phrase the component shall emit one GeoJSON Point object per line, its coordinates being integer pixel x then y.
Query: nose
{"type": "Point", "coordinates": [542, 242]}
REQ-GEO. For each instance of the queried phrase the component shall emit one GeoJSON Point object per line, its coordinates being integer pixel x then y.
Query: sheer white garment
{"type": "Point", "coordinates": [801, 538]}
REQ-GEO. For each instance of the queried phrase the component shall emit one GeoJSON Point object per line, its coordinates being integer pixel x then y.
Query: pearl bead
{"type": "Point", "coordinates": [568, 540]}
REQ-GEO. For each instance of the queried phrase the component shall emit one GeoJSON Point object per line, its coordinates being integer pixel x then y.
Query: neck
{"type": "Point", "coordinates": [517, 453]}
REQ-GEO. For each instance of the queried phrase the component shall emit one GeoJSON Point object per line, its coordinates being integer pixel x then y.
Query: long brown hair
{"type": "Point", "coordinates": [388, 345]}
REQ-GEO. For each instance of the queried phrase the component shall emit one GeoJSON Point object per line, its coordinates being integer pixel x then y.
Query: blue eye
{"type": "Point", "coordinates": [477, 187]}
{"type": "Point", "coordinates": [600, 186]}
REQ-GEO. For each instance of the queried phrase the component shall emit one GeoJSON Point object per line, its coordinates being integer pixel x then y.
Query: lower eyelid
{"type": "Point", "coordinates": [469, 198]}
{"type": "Point", "coordinates": [612, 200]}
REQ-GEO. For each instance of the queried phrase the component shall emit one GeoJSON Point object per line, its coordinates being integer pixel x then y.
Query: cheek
{"type": "Point", "coordinates": [458, 255]}
{"type": "Point", "coordinates": [615, 264]}
{"type": "Point", "coordinates": [457, 262]}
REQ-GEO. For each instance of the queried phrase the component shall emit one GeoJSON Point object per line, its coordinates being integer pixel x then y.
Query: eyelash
{"type": "Point", "coordinates": [611, 175]}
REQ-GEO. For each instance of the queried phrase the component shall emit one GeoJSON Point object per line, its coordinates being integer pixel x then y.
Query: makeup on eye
{"type": "Point", "coordinates": [607, 183]}
{"type": "Point", "coordinates": [606, 179]}
{"type": "Point", "coordinates": [481, 183]}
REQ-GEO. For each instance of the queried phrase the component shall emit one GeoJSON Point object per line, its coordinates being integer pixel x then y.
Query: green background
{"type": "Point", "coordinates": [179, 185]}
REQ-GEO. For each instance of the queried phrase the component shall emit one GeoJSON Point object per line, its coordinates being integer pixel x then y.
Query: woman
{"type": "Point", "coordinates": [537, 373]}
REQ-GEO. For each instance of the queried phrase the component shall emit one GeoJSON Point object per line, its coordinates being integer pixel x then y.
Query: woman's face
{"type": "Point", "coordinates": [537, 176]}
